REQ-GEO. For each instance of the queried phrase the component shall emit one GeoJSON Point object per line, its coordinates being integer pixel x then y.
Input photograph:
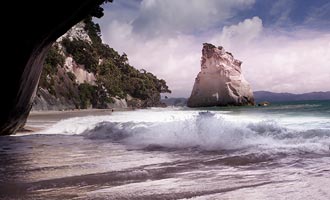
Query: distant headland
{"type": "Point", "coordinates": [281, 97]}
{"type": "Point", "coordinates": [266, 96]}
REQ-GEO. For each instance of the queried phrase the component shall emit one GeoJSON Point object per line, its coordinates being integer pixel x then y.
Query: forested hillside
{"type": "Point", "coordinates": [82, 72]}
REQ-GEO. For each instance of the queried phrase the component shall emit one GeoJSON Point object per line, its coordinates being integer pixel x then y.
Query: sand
{"type": "Point", "coordinates": [38, 120]}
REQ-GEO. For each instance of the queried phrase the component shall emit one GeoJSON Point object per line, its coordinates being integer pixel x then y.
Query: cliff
{"type": "Point", "coordinates": [28, 40]}
{"type": "Point", "coordinates": [220, 81]}
{"type": "Point", "coordinates": [82, 72]}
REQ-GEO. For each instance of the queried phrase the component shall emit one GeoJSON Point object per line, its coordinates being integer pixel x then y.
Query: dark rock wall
{"type": "Point", "coordinates": [29, 28]}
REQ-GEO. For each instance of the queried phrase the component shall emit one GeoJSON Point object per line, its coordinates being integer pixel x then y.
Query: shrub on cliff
{"type": "Point", "coordinates": [87, 93]}
{"type": "Point", "coordinates": [115, 77]}
{"type": "Point", "coordinates": [82, 52]}
{"type": "Point", "coordinates": [53, 60]}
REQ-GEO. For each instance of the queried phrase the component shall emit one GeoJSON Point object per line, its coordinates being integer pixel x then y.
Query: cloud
{"type": "Point", "coordinates": [319, 16]}
{"type": "Point", "coordinates": [239, 35]}
{"type": "Point", "coordinates": [165, 38]}
{"type": "Point", "coordinates": [159, 17]}
{"type": "Point", "coordinates": [175, 59]}
{"type": "Point", "coordinates": [276, 61]}
{"type": "Point", "coordinates": [286, 64]}
{"type": "Point", "coordinates": [281, 11]}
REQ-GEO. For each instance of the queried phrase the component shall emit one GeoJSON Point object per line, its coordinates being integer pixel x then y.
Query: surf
{"type": "Point", "coordinates": [203, 130]}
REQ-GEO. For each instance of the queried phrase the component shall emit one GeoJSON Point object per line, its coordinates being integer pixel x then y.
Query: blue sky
{"type": "Point", "coordinates": [288, 14]}
{"type": "Point", "coordinates": [284, 44]}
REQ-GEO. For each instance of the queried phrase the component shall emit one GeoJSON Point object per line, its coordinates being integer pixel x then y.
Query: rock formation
{"type": "Point", "coordinates": [59, 82]}
{"type": "Point", "coordinates": [220, 81]}
{"type": "Point", "coordinates": [29, 30]}
{"type": "Point", "coordinates": [80, 72]}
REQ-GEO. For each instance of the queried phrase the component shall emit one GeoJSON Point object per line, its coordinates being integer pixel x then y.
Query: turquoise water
{"type": "Point", "coordinates": [317, 108]}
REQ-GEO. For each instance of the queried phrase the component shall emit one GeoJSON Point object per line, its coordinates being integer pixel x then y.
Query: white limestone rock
{"type": "Point", "coordinates": [117, 103]}
{"type": "Point", "coordinates": [82, 75]}
{"type": "Point", "coordinates": [76, 32]}
{"type": "Point", "coordinates": [220, 81]}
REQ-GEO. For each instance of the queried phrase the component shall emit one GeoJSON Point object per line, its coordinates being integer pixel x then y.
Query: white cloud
{"type": "Point", "coordinates": [175, 59]}
{"type": "Point", "coordinates": [159, 17]}
{"type": "Point", "coordinates": [287, 62]}
{"type": "Point", "coordinates": [319, 16]}
{"type": "Point", "coordinates": [239, 35]}
{"type": "Point", "coordinates": [273, 60]}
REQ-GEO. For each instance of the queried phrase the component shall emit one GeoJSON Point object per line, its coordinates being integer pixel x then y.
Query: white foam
{"type": "Point", "coordinates": [78, 125]}
{"type": "Point", "coordinates": [187, 128]}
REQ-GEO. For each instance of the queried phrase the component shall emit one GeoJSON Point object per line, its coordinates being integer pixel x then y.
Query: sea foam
{"type": "Point", "coordinates": [194, 129]}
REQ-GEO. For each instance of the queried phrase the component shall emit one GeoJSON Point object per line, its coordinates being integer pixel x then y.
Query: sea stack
{"type": "Point", "coordinates": [220, 81]}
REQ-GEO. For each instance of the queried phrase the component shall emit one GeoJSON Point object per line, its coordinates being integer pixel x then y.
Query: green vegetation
{"type": "Point", "coordinates": [53, 61]}
{"type": "Point", "coordinates": [87, 93]}
{"type": "Point", "coordinates": [82, 52]}
{"type": "Point", "coordinates": [71, 76]}
{"type": "Point", "coordinates": [115, 77]}
{"type": "Point", "coordinates": [54, 58]}
{"type": "Point", "coordinates": [93, 30]}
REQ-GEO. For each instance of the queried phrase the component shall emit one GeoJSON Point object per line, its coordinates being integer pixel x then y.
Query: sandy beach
{"type": "Point", "coordinates": [170, 153]}
{"type": "Point", "coordinates": [38, 120]}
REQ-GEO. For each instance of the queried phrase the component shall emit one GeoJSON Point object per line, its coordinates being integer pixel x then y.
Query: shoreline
{"type": "Point", "coordinates": [39, 120]}
{"type": "Point", "coordinates": [35, 112]}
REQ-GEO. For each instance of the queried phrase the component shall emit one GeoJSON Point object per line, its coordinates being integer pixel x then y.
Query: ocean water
{"type": "Point", "coordinates": [281, 151]}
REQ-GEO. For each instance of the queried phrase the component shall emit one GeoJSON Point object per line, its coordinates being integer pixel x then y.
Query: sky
{"type": "Point", "coordinates": [284, 44]}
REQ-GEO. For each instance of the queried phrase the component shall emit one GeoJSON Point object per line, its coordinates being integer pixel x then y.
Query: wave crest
{"type": "Point", "coordinates": [211, 132]}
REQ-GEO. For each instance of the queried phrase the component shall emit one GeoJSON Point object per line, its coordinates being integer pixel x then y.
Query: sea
{"type": "Point", "coordinates": [280, 151]}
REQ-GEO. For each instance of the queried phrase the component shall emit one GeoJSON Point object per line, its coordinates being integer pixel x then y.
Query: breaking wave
{"type": "Point", "coordinates": [205, 131]}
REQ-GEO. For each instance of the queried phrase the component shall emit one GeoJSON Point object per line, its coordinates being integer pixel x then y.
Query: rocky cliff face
{"type": "Point", "coordinates": [77, 32]}
{"type": "Point", "coordinates": [220, 81]}
{"type": "Point", "coordinates": [58, 87]}
{"type": "Point", "coordinates": [82, 72]}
